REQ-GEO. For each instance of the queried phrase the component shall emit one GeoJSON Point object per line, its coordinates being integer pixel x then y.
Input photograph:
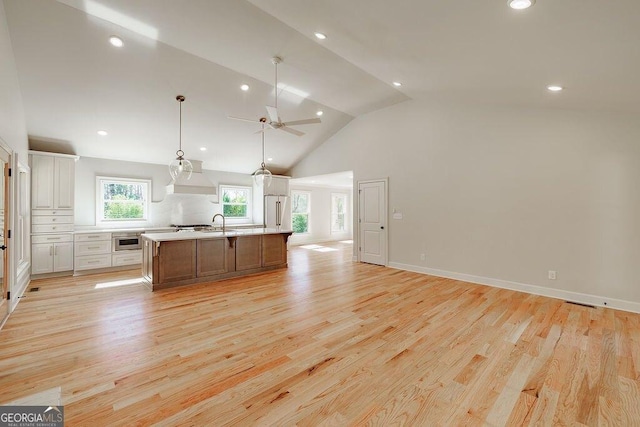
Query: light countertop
{"type": "Point", "coordinates": [191, 235]}
{"type": "Point", "coordinates": [124, 230]}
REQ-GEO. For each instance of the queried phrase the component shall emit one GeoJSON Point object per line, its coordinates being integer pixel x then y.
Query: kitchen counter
{"type": "Point", "coordinates": [187, 257]}
{"type": "Point", "coordinates": [190, 235]}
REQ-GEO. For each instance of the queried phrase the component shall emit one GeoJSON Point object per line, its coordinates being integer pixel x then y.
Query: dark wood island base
{"type": "Point", "coordinates": [170, 260]}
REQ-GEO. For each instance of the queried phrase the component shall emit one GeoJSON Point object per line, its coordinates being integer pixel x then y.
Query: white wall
{"type": "Point", "coordinates": [165, 209]}
{"type": "Point", "coordinates": [320, 215]}
{"type": "Point", "coordinates": [504, 194]}
{"type": "Point", "coordinates": [13, 133]}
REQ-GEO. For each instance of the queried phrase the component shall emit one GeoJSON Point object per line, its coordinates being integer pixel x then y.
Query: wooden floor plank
{"type": "Point", "coordinates": [325, 342]}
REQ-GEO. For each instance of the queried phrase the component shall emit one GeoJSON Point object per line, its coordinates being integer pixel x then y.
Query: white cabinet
{"type": "Point", "coordinates": [52, 193]}
{"type": "Point", "coordinates": [52, 180]}
{"type": "Point", "coordinates": [92, 250]}
{"type": "Point", "coordinates": [51, 253]}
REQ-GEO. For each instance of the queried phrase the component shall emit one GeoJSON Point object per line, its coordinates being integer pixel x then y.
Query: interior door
{"type": "Point", "coordinates": [4, 223]}
{"type": "Point", "coordinates": [372, 223]}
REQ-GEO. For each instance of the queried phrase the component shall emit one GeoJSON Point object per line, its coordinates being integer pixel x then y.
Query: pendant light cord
{"type": "Point", "coordinates": [276, 85]}
{"type": "Point", "coordinates": [180, 99]}
{"type": "Point", "coordinates": [263, 165]}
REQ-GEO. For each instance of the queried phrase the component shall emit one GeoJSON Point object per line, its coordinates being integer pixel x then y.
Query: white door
{"type": "Point", "coordinates": [372, 224]}
{"type": "Point", "coordinates": [5, 159]}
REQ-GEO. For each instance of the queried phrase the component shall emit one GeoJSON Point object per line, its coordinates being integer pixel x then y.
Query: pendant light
{"type": "Point", "coordinates": [262, 175]}
{"type": "Point", "coordinates": [180, 167]}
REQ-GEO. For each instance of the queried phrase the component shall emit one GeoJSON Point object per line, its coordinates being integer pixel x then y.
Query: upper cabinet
{"type": "Point", "coordinates": [279, 186]}
{"type": "Point", "coordinates": [52, 181]}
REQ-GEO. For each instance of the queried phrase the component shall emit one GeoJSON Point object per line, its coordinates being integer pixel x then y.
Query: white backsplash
{"type": "Point", "coordinates": [184, 209]}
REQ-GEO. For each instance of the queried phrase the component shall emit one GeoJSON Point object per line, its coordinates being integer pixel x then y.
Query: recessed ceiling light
{"type": "Point", "coordinates": [320, 36]}
{"type": "Point", "coordinates": [116, 41]}
{"type": "Point", "coordinates": [319, 113]}
{"type": "Point", "coordinates": [203, 148]}
{"type": "Point", "coordinates": [270, 158]}
{"type": "Point", "coordinates": [554, 88]}
{"type": "Point", "coordinates": [103, 133]}
{"type": "Point", "coordinates": [397, 84]}
{"type": "Point", "coordinates": [244, 87]}
{"type": "Point", "coordinates": [521, 4]}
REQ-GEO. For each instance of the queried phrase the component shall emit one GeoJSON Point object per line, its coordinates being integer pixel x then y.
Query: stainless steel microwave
{"type": "Point", "coordinates": [126, 241]}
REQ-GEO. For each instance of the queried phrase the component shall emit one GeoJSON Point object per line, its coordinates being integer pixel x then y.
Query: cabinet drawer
{"type": "Point", "coordinates": [90, 262]}
{"type": "Point", "coordinates": [92, 237]}
{"type": "Point", "coordinates": [52, 219]}
{"type": "Point", "coordinates": [52, 238]}
{"type": "Point", "coordinates": [129, 258]}
{"type": "Point", "coordinates": [49, 228]}
{"type": "Point", "coordinates": [52, 212]}
{"type": "Point", "coordinates": [93, 248]}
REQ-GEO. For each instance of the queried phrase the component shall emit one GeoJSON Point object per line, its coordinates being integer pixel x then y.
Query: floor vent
{"type": "Point", "coordinates": [581, 304]}
{"type": "Point", "coordinates": [34, 289]}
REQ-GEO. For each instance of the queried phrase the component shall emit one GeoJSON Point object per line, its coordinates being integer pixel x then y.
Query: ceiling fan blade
{"type": "Point", "coordinates": [243, 119]}
{"type": "Point", "coordinates": [264, 130]}
{"type": "Point", "coordinates": [273, 114]}
{"type": "Point", "coordinates": [290, 130]}
{"type": "Point", "coordinates": [303, 122]}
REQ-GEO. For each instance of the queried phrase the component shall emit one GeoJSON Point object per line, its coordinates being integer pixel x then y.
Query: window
{"type": "Point", "coordinates": [122, 199]}
{"type": "Point", "coordinates": [338, 212]}
{"type": "Point", "coordinates": [300, 208]}
{"type": "Point", "coordinates": [236, 201]}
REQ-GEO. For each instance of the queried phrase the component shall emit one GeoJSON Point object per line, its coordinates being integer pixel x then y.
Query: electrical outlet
{"type": "Point", "coordinates": [552, 275]}
{"type": "Point", "coordinates": [423, 257]}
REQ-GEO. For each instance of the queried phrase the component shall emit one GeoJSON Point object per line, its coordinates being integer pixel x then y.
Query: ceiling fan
{"type": "Point", "coordinates": [274, 121]}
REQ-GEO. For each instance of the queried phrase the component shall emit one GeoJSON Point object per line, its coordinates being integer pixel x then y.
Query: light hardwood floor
{"type": "Point", "coordinates": [325, 342]}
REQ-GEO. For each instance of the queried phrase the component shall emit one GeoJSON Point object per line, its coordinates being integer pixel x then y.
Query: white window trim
{"type": "Point", "coordinates": [346, 214]}
{"type": "Point", "coordinates": [99, 212]}
{"type": "Point", "coordinates": [308, 193]}
{"type": "Point", "coordinates": [237, 220]}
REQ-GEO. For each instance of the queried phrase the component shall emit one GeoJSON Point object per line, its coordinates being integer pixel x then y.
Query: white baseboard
{"type": "Point", "coordinates": [595, 300]}
{"type": "Point", "coordinates": [23, 279]}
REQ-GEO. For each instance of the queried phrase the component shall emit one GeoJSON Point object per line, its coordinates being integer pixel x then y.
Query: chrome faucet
{"type": "Point", "coordinates": [213, 220]}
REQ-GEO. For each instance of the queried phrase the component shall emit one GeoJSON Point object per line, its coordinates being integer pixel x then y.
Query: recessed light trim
{"type": "Point", "coordinates": [116, 41]}
{"type": "Point", "coordinates": [319, 113]}
{"type": "Point", "coordinates": [397, 84]}
{"type": "Point", "coordinates": [320, 36]}
{"type": "Point", "coordinates": [270, 159]}
{"type": "Point", "coordinates": [521, 4]}
{"type": "Point", "coordinates": [554, 88]}
{"type": "Point", "coordinates": [203, 148]}
{"type": "Point", "coordinates": [244, 87]}
{"type": "Point", "coordinates": [103, 133]}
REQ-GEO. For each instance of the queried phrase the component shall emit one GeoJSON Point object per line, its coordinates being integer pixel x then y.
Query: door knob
{"type": "Point", "coordinates": [381, 227]}
{"type": "Point", "coordinates": [3, 247]}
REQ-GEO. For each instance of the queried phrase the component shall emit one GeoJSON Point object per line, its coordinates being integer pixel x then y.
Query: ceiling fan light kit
{"type": "Point", "coordinates": [180, 167]}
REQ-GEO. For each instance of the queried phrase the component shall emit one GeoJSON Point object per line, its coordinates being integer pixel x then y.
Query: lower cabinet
{"type": "Point", "coordinates": [177, 260]}
{"type": "Point", "coordinates": [170, 263]}
{"type": "Point", "coordinates": [92, 250]}
{"type": "Point", "coordinates": [51, 253]}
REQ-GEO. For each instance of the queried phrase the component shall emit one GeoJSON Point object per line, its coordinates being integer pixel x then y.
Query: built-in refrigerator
{"type": "Point", "coordinates": [276, 212]}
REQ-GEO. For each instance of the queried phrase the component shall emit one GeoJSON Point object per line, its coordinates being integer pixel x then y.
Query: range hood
{"type": "Point", "coordinates": [198, 184]}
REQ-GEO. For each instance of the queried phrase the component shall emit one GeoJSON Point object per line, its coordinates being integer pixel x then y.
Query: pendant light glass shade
{"type": "Point", "coordinates": [180, 167]}
{"type": "Point", "coordinates": [262, 175]}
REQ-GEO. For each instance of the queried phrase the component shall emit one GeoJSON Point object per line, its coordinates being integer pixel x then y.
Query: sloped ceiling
{"type": "Point", "coordinates": [74, 83]}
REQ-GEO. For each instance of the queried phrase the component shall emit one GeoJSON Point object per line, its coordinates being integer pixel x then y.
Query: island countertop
{"type": "Point", "coordinates": [192, 235]}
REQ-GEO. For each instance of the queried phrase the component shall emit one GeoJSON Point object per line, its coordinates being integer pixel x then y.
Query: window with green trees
{"type": "Point", "coordinates": [338, 212]}
{"type": "Point", "coordinates": [236, 202]}
{"type": "Point", "coordinates": [300, 208]}
{"type": "Point", "coordinates": [121, 199]}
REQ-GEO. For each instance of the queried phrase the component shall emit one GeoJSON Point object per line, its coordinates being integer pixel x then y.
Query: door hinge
{"type": "Point", "coordinates": [9, 171]}
{"type": "Point", "coordinates": [8, 234]}
{"type": "Point", "coordinates": [8, 295]}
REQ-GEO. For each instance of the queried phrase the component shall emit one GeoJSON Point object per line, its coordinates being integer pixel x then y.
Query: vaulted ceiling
{"type": "Point", "coordinates": [75, 83]}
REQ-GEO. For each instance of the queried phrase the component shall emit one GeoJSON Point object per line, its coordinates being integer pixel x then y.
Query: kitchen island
{"type": "Point", "coordinates": [183, 258]}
